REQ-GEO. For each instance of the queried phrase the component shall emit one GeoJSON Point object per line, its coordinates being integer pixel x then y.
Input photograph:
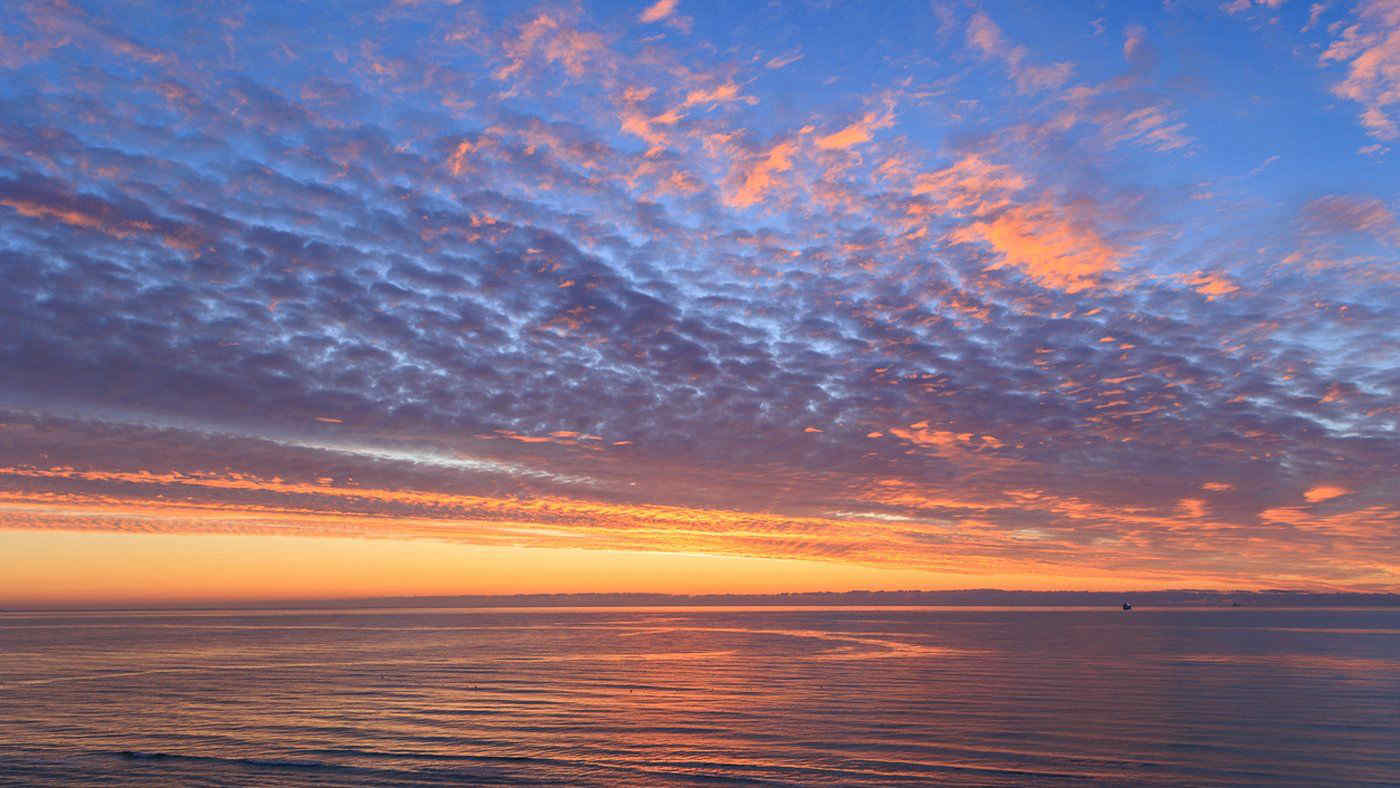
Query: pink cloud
{"type": "Point", "coordinates": [1240, 6]}
{"type": "Point", "coordinates": [1370, 50]}
{"type": "Point", "coordinates": [1153, 126]}
{"type": "Point", "coordinates": [986, 37]}
{"type": "Point", "coordinates": [552, 40]}
{"type": "Point", "coordinates": [779, 61]}
{"type": "Point", "coordinates": [719, 94]}
{"type": "Point", "coordinates": [1339, 213]}
{"type": "Point", "coordinates": [658, 11]}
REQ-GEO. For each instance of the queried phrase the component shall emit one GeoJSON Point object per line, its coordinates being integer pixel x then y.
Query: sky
{"type": "Point", "coordinates": [412, 297]}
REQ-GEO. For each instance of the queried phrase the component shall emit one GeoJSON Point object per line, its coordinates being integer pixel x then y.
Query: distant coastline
{"type": "Point", "coordinates": [1184, 598]}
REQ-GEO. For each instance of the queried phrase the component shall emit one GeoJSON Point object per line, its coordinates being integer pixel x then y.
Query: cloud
{"type": "Point", "coordinates": [986, 37]}
{"type": "Point", "coordinates": [1241, 6]}
{"type": "Point", "coordinates": [972, 185]}
{"type": "Point", "coordinates": [1338, 213]}
{"type": "Point", "coordinates": [1050, 245]}
{"type": "Point", "coordinates": [1325, 492]}
{"type": "Point", "coordinates": [553, 40]}
{"type": "Point", "coordinates": [1154, 127]}
{"type": "Point", "coordinates": [658, 11]}
{"type": "Point", "coordinates": [780, 61]}
{"type": "Point", "coordinates": [861, 131]}
{"type": "Point", "coordinates": [757, 175]}
{"type": "Point", "coordinates": [1212, 284]}
{"type": "Point", "coordinates": [1134, 42]}
{"type": "Point", "coordinates": [1369, 48]}
{"type": "Point", "coordinates": [549, 280]}
{"type": "Point", "coordinates": [327, 492]}
{"type": "Point", "coordinates": [718, 94]}
{"type": "Point", "coordinates": [64, 23]}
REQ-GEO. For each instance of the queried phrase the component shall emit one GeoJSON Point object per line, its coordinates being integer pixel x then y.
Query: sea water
{"type": "Point", "coordinates": [798, 695]}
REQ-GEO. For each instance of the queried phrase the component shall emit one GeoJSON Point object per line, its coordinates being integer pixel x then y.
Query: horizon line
{"type": "Point", "coordinates": [966, 597]}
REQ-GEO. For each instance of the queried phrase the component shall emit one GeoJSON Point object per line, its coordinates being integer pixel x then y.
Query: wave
{"type": "Point", "coordinates": [178, 764]}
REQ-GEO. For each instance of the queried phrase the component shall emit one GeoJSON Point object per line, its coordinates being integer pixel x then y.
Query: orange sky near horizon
{"type": "Point", "coordinates": [77, 568]}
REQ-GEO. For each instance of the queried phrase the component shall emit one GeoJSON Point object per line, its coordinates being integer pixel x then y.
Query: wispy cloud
{"type": "Point", "coordinates": [987, 38]}
{"type": "Point", "coordinates": [1369, 49]}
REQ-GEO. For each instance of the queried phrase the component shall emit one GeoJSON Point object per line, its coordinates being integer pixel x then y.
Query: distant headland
{"type": "Point", "coordinates": [1185, 598]}
{"type": "Point", "coordinates": [976, 596]}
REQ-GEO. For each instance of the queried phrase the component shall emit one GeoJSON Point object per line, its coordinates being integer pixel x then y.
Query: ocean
{"type": "Point", "coordinates": [712, 695]}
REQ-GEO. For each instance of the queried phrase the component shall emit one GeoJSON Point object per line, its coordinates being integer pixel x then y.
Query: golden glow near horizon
{"type": "Point", "coordinates": [457, 298]}
{"type": "Point", "coordinates": [103, 568]}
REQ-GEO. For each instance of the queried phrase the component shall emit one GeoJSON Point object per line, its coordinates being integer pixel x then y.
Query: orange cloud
{"type": "Point", "coordinates": [1211, 285]}
{"type": "Point", "coordinates": [76, 218]}
{"type": "Point", "coordinates": [972, 185]}
{"type": "Point", "coordinates": [970, 534]}
{"type": "Point", "coordinates": [1194, 508]}
{"type": "Point", "coordinates": [921, 435]}
{"type": "Point", "coordinates": [457, 162]}
{"type": "Point", "coordinates": [861, 131]}
{"type": "Point", "coordinates": [758, 175]}
{"type": "Point", "coordinates": [545, 521]}
{"type": "Point", "coordinates": [729, 91]}
{"type": "Point", "coordinates": [174, 238]}
{"type": "Point", "coordinates": [1052, 248]}
{"type": "Point", "coordinates": [1325, 492]}
{"type": "Point", "coordinates": [639, 124]}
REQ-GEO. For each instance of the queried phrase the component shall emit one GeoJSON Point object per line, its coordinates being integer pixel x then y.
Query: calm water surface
{"type": "Point", "coordinates": [879, 696]}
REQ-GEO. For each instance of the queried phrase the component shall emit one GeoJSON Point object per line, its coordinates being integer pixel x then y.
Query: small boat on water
{"type": "Point", "coordinates": [1127, 605]}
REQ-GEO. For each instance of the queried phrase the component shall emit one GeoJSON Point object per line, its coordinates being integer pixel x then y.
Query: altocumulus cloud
{"type": "Point", "coordinates": [560, 276]}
